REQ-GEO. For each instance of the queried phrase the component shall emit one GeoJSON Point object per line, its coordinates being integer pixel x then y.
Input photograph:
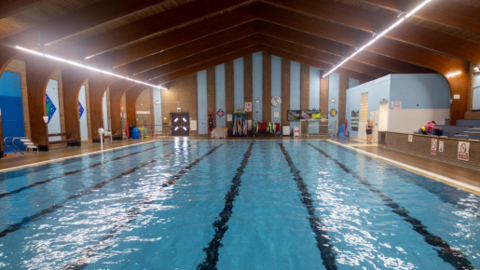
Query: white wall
{"type": "Point", "coordinates": [84, 119]}
{"type": "Point", "coordinates": [410, 120]}
{"type": "Point", "coordinates": [54, 124]}
{"type": "Point", "coordinates": [424, 97]}
{"type": "Point", "coordinates": [105, 111]}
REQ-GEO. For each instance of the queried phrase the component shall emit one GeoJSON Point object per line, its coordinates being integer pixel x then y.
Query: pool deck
{"type": "Point", "coordinates": [430, 168]}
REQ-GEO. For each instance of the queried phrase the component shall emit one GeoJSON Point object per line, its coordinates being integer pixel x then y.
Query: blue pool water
{"type": "Point", "coordinates": [233, 205]}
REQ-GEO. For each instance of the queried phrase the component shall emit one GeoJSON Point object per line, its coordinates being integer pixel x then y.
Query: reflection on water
{"type": "Point", "coordinates": [135, 217]}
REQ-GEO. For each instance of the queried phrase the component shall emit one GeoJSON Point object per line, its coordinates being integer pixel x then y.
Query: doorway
{"type": "Point", "coordinates": [180, 124]}
{"type": "Point", "coordinates": [383, 117]}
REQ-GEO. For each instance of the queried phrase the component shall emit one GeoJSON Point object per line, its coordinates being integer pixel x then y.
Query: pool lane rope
{"type": "Point", "coordinates": [220, 224]}
{"type": "Point", "coordinates": [318, 228]}
{"type": "Point", "coordinates": [448, 254]}
{"type": "Point", "coordinates": [25, 222]}
{"type": "Point", "coordinates": [129, 216]}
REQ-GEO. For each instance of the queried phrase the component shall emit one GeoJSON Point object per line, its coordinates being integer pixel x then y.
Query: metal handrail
{"type": "Point", "coordinates": [13, 142]}
{"type": "Point", "coordinates": [12, 138]}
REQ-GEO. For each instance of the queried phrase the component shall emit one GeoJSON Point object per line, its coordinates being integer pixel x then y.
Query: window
{"type": "Point", "coordinates": [476, 92]}
{"type": "Point", "coordinates": [364, 107]}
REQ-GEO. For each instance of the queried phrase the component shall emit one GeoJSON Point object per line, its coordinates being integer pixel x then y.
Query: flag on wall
{"type": "Point", "coordinates": [51, 109]}
{"type": "Point", "coordinates": [80, 110]}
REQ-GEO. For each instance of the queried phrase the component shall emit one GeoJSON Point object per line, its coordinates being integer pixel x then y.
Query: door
{"type": "Point", "coordinates": [374, 116]}
{"type": "Point", "coordinates": [180, 124]}
{"type": "Point", "coordinates": [383, 117]}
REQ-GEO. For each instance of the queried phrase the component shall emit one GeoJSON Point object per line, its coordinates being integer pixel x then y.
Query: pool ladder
{"type": "Point", "coordinates": [26, 141]}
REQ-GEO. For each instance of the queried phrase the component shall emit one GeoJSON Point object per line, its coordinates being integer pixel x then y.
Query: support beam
{"type": "Point", "coordinates": [73, 79]}
{"type": "Point", "coordinates": [10, 7]}
{"type": "Point", "coordinates": [336, 48]}
{"type": "Point", "coordinates": [441, 63]}
{"type": "Point", "coordinates": [98, 84]}
{"type": "Point", "coordinates": [154, 24]}
{"type": "Point", "coordinates": [117, 90]}
{"type": "Point", "coordinates": [314, 63]}
{"type": "Point", "coordinates": [38, 71]}
{"type": "Point", "coordinates": [407, 32]}
{"type": "Point", "coordinates": [132, 96]}
{"type": "Point", "coordinates": [451, 13]}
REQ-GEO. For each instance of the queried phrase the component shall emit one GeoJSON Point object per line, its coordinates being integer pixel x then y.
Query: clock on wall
{"type": "Point", "coordinates": [276, 101]}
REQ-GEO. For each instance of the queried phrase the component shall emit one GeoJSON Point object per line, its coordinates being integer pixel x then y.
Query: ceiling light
{"type": "Point", "coordinates": [176, 119]}
{"type": "Point", "coordinates": [378, 36]}
{"type": "Point", "coordinates": [87, 67]}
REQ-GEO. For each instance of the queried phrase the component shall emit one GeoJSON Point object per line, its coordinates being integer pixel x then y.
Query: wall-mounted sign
{"type": "Point", "coordinates": [463, 151]}
{"type": "Point", "coordinates": [433, 149]}
{"type": "Point", "coordinates": [333, 112]}
{"type": "Point", "coordinates": [80, 110]}
{"type": "Point", "coordinates": [50, 108]}
{"type": "Point", "coordinates": [456, 96]}
{"type": "Point", "coordinates": [248, 106]}
{"type": "Point", "coordinates": [141, 116]}
{"type": "Point", "coordinates": [355, 118]}
{"type": "Point", "coordinates": [440, 146]}
{"type": "Point", "coordinates": [410, 138]}
{"type": "Point", "coordinates": [229, 118]}
{"type": "Point", "coordinates": [298, 115]}
{"type": "Point", "coordinates": [220, 113]}
{"type": "Point", "coordinates": [396, 105]}
{"type": "Point", "coordinates": [143, 112]}
{"type": "Point", "coordinates": [276, 114]}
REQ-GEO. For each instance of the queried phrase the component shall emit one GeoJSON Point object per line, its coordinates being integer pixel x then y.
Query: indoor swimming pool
{"type": "Point", "coordinates": [187, 204]}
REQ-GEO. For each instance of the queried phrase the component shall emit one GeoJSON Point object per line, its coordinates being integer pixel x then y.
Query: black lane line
{"type": "Point", "coordinates": [103, 244]}
{"type": "Point", "coordinates": [318, 228]}
{"type": "Point", "coordinates": [454, 257]}
{"type": "Point", "coordinates": [16, 191]}
{"type": "Point", "coordinates": [27, 220]}
{"type": "Point", "coordinates": [220, 224]}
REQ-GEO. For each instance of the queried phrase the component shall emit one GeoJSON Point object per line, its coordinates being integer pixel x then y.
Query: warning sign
{"type": "Point", "coordinates": [440, 146]}
{"type": "Point", "coordinates": [433, 149]}
{"type": "Point", "coordinates": [463, 151]}
{"type": "Point", "coordinates": [248, 106]}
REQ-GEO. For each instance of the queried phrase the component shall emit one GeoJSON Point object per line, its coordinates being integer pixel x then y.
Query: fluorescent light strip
{"type": "Point", "coordinates": [379, 36]}
{"type": "Point", "coordinates": [87, 67]}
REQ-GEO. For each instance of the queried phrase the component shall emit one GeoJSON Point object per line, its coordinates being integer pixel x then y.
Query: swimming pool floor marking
{"type": "Point", "coordinates": [130, 215]}
{"type": "Point", "coordinates": [428, 174]}
{"type": "Point", "coordinates": [73, 172]}
{"type": "Point", "coordinates": [25, 221]}
{"type": "Point", "coordinates": [456, 258]}
{"type": "Point", "coordinates": [74, 156]}
{"type": "Point", "coordinates": [220, 224]}
{"type": "Point", "coordinates": [323, 243]}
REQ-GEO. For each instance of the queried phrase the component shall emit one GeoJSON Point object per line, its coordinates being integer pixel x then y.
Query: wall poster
{"type": "Point", "coordinates": [297, 115]}
{"type": "Point", "coordinates": [355, 119]}
{"type": "Point", "coordinates": [464, 151]}
{"type": "Point", "coordinates": [433, 149]}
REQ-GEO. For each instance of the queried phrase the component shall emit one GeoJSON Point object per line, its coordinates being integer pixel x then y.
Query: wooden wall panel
{"type": "Point", "coordinates": [184, 90]}
{"type": "Point", "coordinates": [131, 96]}
{"type": "Point", "coordinates": [116, 96]}
{"type": "Point", "coordinates": [267, 87]}
{"type": "Point", "coordinates": [39, 72]}
{"type": "Point", "coordinates": [285, 91]}
{"type": "Point", "coordinates": [324, 95]}
{"type": "Point", "coordinates": [73, 79]}
{"type": "Point", "coordinates": [211, 91]}
{"type": "Point", "coordinates": [304, 86]}
{"type": "Point", "coordinates": [342, 99]}
{"type": "Point", "coordinates": [248, 81]}
{"type": "Point", "coordinates": [229, 92]}
{"type": "Point", "coordinates": [98, 84]}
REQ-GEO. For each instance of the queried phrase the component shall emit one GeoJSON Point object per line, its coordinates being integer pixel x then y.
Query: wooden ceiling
{"type": "Point", "coordinates": [155, 38]}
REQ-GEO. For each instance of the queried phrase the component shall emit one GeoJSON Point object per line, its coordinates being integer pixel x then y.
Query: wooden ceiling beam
{"type": "Point", "coordinates": [192, 48]}
{"type": "Point", "coordinates": [181, 36]}
{"type": "Point", "coordinates": [321, 56]}
{"type": "Point", "coordinates": [337, 48]}
{"type": "Point", "coordinates": [10, 7]}
{"type": "Point", "coordinates": [314, 63]}
{"type": "Point", "coordinates": [154, 24]}
{"type": "Point", "coordinates": [451, 13]}
{"type": "Point", "coordinates": [364, 20]}
{"type": "Point", "coordinates": [77, 21]}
